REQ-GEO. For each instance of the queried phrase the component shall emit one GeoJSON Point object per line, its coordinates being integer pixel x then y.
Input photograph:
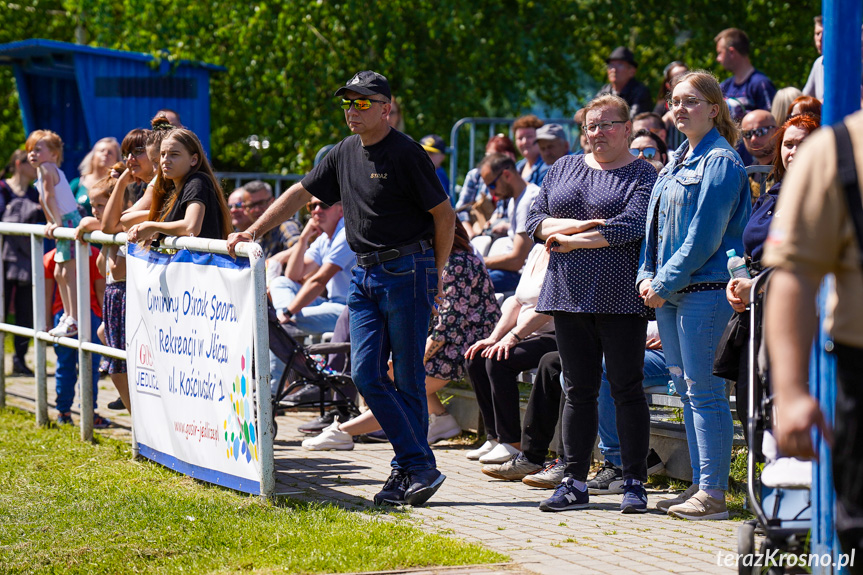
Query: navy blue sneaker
{"type": "Point", "coordinates": [64, 419]}
{"type": "Point", "coordinates": [566, 496]}
{"type": "Point", "coordinates": [634, 497]}
{"type": "Point", "coordinates": [393, 492]}
{"type": "Point", "coordinates": [422, 485]}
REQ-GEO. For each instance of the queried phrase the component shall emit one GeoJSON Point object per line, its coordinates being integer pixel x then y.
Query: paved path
{"type": "Point", "coordinates": [500, 515]}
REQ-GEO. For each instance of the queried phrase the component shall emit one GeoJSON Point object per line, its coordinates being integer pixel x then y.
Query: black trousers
{"type": "Point", "coordinates": [582, 339]}
{"type": "Point", "coordinates": [544, 410]}
{"type": "Point", "coordinates": [21, 294]}
{"type": "Point", "coordinates": [495, 383]}
{"type": "Point", "coordinates": [848, 451]}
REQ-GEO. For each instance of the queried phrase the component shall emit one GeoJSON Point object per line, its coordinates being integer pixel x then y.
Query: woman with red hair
{"type": "Point", "coordinates": [787, 140]}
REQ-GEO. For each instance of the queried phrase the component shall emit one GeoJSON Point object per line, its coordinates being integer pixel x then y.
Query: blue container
{"type": "Point", "coordinates": [85, 93]}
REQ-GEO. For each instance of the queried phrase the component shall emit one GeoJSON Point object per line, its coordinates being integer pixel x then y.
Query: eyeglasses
{"type": "Point", "coordinates": [360, 104]}
{"type": "Point", "coordinates": [757, 132]}
{"type": "Point", "coordinates": [493, 184]}
{"type": "Point", "coordinates": [136, 152]}
{"type": "Point", "coordinates": [236, 206]}
{"type": "Point", "coordinates": [602, 126]}
{"type": "Point", "coordinates": [690, 102]}
{"type": "Point", "coordinates": [250, 205]}
{"type": "Point", "coordinates": [312, 206]}
{"type": "Point", "coordinates": [649, 153]}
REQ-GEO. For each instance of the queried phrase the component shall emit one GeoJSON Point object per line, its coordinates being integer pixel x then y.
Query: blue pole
{"type": "Point", "coordinates": [842, 78]}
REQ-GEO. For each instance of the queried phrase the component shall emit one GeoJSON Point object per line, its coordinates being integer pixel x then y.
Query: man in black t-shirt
{"type": "Point", "coordinates": [400, 223]}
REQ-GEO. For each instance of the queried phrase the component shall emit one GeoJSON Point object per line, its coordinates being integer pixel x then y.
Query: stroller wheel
{"type": "Point", "coordinates": [746, 547]}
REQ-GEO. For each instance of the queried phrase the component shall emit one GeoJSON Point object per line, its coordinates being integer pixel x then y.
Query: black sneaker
{"type": "Point", "coordinates": [655, 466]}
{"type": "Point", "coordinates": [117, 404]}
{"type": "Point", "coordinates": [308, 395]}
{"type": "Point", "coordinates": [393, 492]}
{"type": "Point", "coordinates": [566, 496]}
{"type": "Point", "coordinates": [20, 368]}
{"type": "Point", "coordinates": [608, 481]}
{"type": "Point", "coordinates": [422, 485]}
{"type": "Point", "coordinates": [322, 422]}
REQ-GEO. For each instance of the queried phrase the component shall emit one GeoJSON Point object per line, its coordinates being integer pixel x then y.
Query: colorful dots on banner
{"type": "Point", "coordinates": [240, 432]}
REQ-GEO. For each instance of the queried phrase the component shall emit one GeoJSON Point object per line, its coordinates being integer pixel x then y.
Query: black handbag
{"type": "Point", "coordinates": [732, 346]}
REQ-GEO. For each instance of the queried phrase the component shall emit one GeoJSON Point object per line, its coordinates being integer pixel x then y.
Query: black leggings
{"type": "Point", "coordinates": [21, 295]}
{"type": "Point", "coordinates": [496, 386]}
{"type": "Point", "coordinates": [583, 338]}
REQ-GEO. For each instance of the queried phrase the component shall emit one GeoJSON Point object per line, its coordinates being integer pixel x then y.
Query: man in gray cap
{"type": "Point", "coordinates": [621, 68]}
{"type": "Point", "coordinates": [400, 223]}
{"type": "Point", "coordinates": [552, 142]}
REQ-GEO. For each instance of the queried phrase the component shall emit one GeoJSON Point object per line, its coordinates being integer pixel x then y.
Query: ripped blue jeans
{"type": "Point", "coordinates": [690, 326]}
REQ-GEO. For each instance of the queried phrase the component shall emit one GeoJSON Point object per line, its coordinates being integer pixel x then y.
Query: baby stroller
{"type": "Point", "coordinates": [336, 389]}
{"type": "Point", "coordinates": [780, 497]}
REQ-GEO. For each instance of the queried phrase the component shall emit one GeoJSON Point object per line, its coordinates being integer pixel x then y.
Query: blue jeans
{"type": "Point", "coordinates": [690, 326]}
{"type": "Point", "coordinates": [390, 307]}
{"type": "Point", "coordinates": [504, 280]}
{"type": "Point", "coordinates": [66, 373]}
{"type": "Point", "coordinates": [655, 374]}
{"type": "Point", "coordinates": [319, 316]}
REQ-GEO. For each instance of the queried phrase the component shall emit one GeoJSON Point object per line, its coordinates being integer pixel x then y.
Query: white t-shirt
{"type": "Point", "coordinates": [518, 210]}
{"type": "Point", "coordinates": [532, 276]}
{"type": "Point", "coordinates": [337, 252]}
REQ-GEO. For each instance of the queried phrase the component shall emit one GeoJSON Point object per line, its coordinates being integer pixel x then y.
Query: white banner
{"type": "Point", "coordinates": [189, 327]}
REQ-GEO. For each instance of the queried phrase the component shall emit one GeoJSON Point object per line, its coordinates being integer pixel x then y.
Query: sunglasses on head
{"type": "Point", "coordinates": [312, 205]}
{"type": "Point", "coordinates": [359, 104]}
{"type": "Point", "coordinates": [649, 152]}
{"type": "Point", "coordinates": [757, 132]}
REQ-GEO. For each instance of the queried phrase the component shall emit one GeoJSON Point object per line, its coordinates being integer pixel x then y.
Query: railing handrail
{"type": "Point", "coordinates": [85, 347]}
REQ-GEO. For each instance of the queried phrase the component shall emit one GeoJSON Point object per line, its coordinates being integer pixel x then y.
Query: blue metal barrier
{"type": "Point", "coordinates": [842, 73]}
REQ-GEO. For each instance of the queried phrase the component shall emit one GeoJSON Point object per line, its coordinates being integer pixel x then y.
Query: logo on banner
{"type": "Point", "coordinates": [145, 379]}
{"type": "Point", "coordinates": [240, 433]}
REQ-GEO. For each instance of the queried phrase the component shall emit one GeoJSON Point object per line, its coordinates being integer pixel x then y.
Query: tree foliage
{"type": "Point", "coordinates": [445, 59]}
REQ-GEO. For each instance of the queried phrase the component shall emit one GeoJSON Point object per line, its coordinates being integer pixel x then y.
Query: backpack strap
{"type": "Point", "coordinates": [847, 174]}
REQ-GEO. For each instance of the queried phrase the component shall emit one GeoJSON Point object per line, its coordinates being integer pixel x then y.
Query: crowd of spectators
{"type": "Point", "coordinates": [584, 243]}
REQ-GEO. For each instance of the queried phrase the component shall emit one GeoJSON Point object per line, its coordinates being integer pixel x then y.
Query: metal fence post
{"type": "Point", "coordinates": [3, 346]}
{"type": "Point", "coordinates": [85, 365]}
{"type": "Point", "coordinates": [40, 322]}
{"type": "Point", "coordinates": [262, 371]}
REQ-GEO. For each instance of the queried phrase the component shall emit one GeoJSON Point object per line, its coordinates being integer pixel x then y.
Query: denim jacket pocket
{"type": "Point", "coordinates": [687, 184]}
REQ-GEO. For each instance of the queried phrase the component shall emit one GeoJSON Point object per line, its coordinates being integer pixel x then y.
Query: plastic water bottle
{"type": "Point", "coordinates": [737, 265]}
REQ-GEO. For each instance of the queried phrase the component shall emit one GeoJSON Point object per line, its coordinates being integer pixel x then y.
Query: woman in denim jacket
{"type": "Point", "coordinates": [698, 209]}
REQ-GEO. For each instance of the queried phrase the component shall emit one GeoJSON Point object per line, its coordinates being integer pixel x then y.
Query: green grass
{"type": "Point", "coordinates": [74, 507]}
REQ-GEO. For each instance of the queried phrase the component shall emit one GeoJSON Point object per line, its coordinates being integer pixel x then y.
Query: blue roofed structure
{"type": "Point", "coordinates": [85, 93]}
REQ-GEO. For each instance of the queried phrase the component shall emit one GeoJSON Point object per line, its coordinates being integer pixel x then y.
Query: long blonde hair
{"type": "Point", "coordinates": [708, 85]}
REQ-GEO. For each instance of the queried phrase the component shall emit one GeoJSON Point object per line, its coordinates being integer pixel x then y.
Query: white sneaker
{"type": "Point", "coordinates": [60, 323]}
{"type": "Point", "coordinates": [788, 473]}
{"type": "Point", "coordinates": [67, 327]}
{"type": "Point", "coordinates": [482, 450]}
{"type": "Point", "coordinates": [330, 438]}
{"type": "Point", "coordinates": [503, 452]}
{"type": "Point", "coordinates": [442, 427]}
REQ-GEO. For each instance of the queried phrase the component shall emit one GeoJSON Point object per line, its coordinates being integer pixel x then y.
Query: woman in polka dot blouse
{"type": "Point", "coordinates": [590, 213]}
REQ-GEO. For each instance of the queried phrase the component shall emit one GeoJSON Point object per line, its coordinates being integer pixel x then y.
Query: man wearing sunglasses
{"type": "Point", "coordinates": [400, 223]}
{"type": "Point", "coordinates": [757, 129]}
{"type": "Point", "coordinates": [503, 179]}
{"type": "Point", "coordinates": [257, 197]}
{"type": "Point", "coordinates": [314, 288]}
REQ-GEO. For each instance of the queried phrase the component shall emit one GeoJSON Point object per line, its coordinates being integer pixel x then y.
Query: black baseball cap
{"type": "Point", "coordinates": [367, 83]}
